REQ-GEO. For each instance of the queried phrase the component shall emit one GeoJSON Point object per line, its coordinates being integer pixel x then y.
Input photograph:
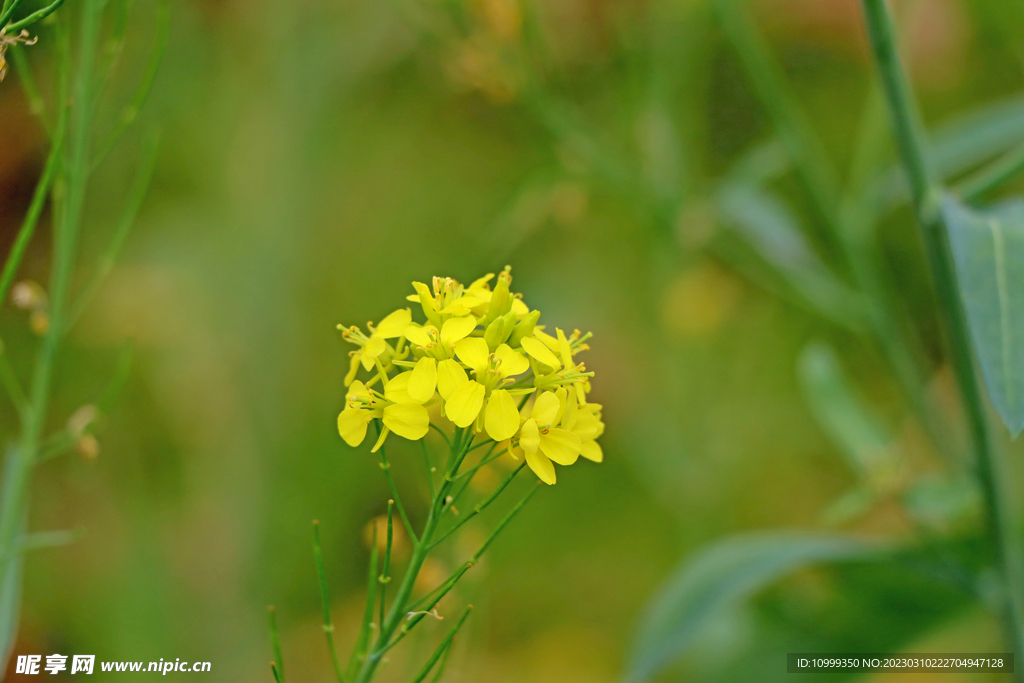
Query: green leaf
{"type": "Point", "coordinates": [844, 415]}
{"type": "Point", "coordinates": [765, 222]}
{"type": "Point", "coordinates": [718, 577]}
{"type": "Point", "coordinates": [960, 144]}
{"type": "Point", "coordinates": [988, 249]}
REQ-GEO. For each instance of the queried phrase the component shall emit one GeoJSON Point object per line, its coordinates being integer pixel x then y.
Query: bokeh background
{"type": "Point", "coordinates": [319, 155]}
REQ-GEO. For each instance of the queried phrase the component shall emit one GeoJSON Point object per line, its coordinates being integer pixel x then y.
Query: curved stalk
{"type": "Point", "coordinates": [990, 468]}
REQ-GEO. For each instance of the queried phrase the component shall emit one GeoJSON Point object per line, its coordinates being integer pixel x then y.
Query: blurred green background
{"type": "Point", "coordinates": [318, 156]}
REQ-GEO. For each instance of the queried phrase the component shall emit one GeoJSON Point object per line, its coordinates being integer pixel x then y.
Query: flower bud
{"type": "Point", "coordinates": [494, 333]}
{"type": "Point", "coordinates": [501, 299]}
{"type": "Point", "coordinates": [524, 328]}
{"type": "Point", "coordinates": [510, 325]}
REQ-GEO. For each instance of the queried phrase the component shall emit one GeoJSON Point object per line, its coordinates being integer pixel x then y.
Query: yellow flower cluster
{"type": "Point", "coordinates": [483, 360]}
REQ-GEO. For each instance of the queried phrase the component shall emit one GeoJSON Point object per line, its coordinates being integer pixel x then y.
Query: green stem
{"type": "Point", "coordinates": [850, 219]}
{"type": "Point", "coordinates": [36, 16]}
{"type": "Point", "coordinates": [35, 210]}
{"type": "Point", "coordinates": [10, 383]}
{"type": "Point", "coordinates": [325, 601]}
{"type": "Point", "coordinates": [816, 171]}
{"type": "Point", "coordinates": [430, 600]}
{"type": "Point", "coordinates": [7, 13]}
{"type": "Point", "coordinates": [131, 111]}
{"type": "Point", "coordinates": [28, 84]}
{"type": "Point", "coordinates": [363, 640]}
{"type": "Point", "coordinates": [385, 466]}
{"type": "Point", "coordinates": [14, 504]}
{"type": "Point", "coordinates": [991, 470]}
{"type": "Point", "coordinates": [443, 647]}
{"type": "Point", "coordinates": [131, 211]}
{"type": "Point", "coordinates": [384, 578]}
{"type": "Point", "coordinates": [421, 548]}
{"type": "Point", "coordinates": [275, 642]}
{"type": "Point", "coordinates": [481, 506]}
{"type": "Point", "coordinates": [442, 665]}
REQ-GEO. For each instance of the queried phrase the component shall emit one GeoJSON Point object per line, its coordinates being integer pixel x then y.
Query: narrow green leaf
{"type": "Point", "coordinates": [845, 416]}
{"type": "Point", "coordinates": [765, 222]}
{"type": "Point", "coordinates": [960, 144]}
{"type": "Point", "coordinates": [988, 249]}
{"type": "Point", "coordinates": [718, 577]}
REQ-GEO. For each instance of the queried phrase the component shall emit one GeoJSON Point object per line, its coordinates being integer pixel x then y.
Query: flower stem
{"type": "Point", "coordinates": [275, 642]}
{"type": "Point", "coordinates": [990, 467]}
{"type": "Point", "coordinates": [443, 647]}
{"type": "Point", "coordinates": [421, 548]}
{"type": "Point", "coordinates": [384, 575]}
{"type": "Point", "coordinates": [325, 601]}
{"type": "Point", "coordinates": [386, 467]}
{"type": "Point", "coordinates": [65, 237]}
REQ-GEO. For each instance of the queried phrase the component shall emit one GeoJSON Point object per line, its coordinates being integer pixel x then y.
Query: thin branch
{"type": "Point", "coordinates": [443, 647]}
{"type": "Point", "coordinates": [36, 16]}
{"type": "Point", "coordinates": [325, 601]}
{"type": "Point", "coordinates": [480, 507]}
{"type": "Point", "coordinates": [386, 467]}
{"type": "Point", "coordinates": [275, 642]}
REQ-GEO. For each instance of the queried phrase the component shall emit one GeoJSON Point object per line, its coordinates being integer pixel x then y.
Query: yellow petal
{"type": "Point", "coordinates": [457, 329]}
{"type": "Point", "coordinates": [397, 389]}
{"type": "Point", "coordinates": [512, 362]}
{"type": "Point", "coordinates": [380, 439]}
{"type": "Point", "coordinates": [422, 380]}
{"type": "Point", "coordinates": [560, 445]}
{"type": "Point", "coordinates": [591, 450]}
{"type": "Point", "coordinates": [419, 335]}
{"type": "Point", "coordinates": [407, 419]}
{"type": "Point", "coordinates": [481, 282]}
{"type": "Point", "coordinates": [357, 390]}
{"type": "Point", "coordinates": [352, 425]}
{"type": "Point", "coordinates": [457, 308]}
{"type": "Point", "coordinates": [539, 351]}
{"type": "Point", "coordinates": [501, 419]}
{"type": "Point", "coordinates": [450, 376]}
{"type": "Point", "coordinates": [520, 308]}
{"type": "Point", "coordinates": [542, 467]}
{"type": "Point", "coordinates": [353, 368]}
{"type": "Point", "coordinates": [570, 413]}
{"type": "Point", "coordinates": [587, 426]}
{"type": "Point", "coordinates": [548, 340]}
{"type": "Point", "coordinates": [394, 325]}
{"type": "Point", "coordinates": [545, 410]}
{"type": "Point", "coordinates": [529, 436]}
{"type": "Point", "coordinates": [472, 300]}
{"type": "Point", "coordinates": [465, 403]}
{"type": "Point", "coordinates": [563, 349]}
{"type": "Point", "coordinates": [473, 352]}
{"type": "Point", "coordinates": [375, 346]}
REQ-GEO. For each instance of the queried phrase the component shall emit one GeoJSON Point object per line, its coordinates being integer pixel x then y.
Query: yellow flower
{"type": "Point", "coordinates": [584, 420]}
{"type": "Point", "coordinates": [542, 442]}
{"type": "Point", "coordinates": [375, 346]}
{"type": "Point", "coordinates": [478, 348]}
{"type": "Point", "coordinates": [552, 371]}
{"type": "Point", "coordinates": [437, 350]}
{"type": "Point", "coordinates": [399, 412]}
{"type": "Point", "coordinates": [484, 395]}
